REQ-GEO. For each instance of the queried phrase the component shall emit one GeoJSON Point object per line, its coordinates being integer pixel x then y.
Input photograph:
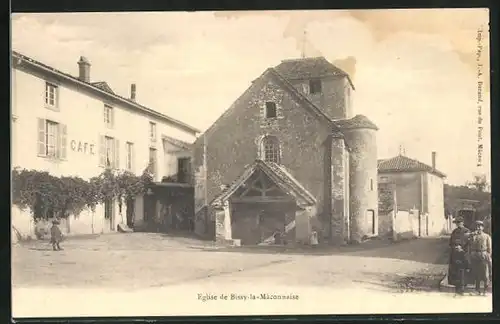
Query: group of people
{"type": "Point", "coordinates": [470, 258]}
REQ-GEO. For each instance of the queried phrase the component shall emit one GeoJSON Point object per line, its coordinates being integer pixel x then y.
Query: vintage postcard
{"type": "Point", "coordinates": [251, 163]}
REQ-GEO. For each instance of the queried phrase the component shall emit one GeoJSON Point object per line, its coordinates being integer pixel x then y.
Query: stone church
{"type": "Point", "coordinates": [289, 156]}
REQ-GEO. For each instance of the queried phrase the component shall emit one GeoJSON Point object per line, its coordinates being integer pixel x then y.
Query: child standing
{"type": "Point", "coordinates": [55, 235]}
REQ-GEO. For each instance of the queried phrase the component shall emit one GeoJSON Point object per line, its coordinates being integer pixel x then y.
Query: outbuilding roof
{"type": "Point", "coordinates": [402, 163]}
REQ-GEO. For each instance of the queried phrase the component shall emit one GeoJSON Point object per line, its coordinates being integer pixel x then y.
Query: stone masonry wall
{"type": "Point", "coordinates": [363, 182]}
{"type": "Point", "coordinates": [233, 141]}
{"type": "Point", "coordinates": [338, 190]}
{"type": "Point", "coordinates": [333, 99]}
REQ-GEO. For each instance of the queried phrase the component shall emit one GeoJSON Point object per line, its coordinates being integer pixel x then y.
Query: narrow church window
{"type": "Point", "coordinates": [270, 109]}
{"type": "Point", "coordinates": [371, 184]}
{"type": "Point", "coordinates": [314, 86]}
{"type": "Point", "coordinates": [270, 149]}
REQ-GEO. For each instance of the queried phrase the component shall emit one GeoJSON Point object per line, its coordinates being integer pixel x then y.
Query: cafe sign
{"type": "Point", "coordinates": [82, 147]}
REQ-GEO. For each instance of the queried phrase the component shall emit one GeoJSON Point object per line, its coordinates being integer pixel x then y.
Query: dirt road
{"type": "Point", "coordinates": [131, 269]}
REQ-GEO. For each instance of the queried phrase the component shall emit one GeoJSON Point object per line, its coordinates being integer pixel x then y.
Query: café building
{"type": "Point", "coordinates": [75, 126]}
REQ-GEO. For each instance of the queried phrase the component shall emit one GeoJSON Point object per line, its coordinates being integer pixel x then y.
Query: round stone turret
{"type": "Point", "coordinates": [360, 135]}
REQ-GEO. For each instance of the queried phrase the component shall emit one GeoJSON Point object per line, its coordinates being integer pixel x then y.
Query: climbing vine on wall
{"type": "Point", "coordinates": [385, 198]}
{"type": "Point", "coordinates": [48, 196]}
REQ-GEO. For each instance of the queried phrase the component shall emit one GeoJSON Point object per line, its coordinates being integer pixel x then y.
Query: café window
{"type": "Point", "coordinates": [130, 156]}
{"type": "Point", "coordinates": [52, 139]}
{"type": "Point", "coordinates": [108, 116]}
{"type": "Point", "coordinates": [152, 131]}
{"type": "Point", "coordinates": [51, 96]}
{"type": "Point", "coordinates": [153, 163]}
{"type": "Point", "coordinates": [109, 153]}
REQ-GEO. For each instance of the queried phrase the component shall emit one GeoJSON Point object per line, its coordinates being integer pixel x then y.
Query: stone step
{"type": "Point", "coordinates": [226, 242]}
{"type": "Point", "coordinates": [123, 228]}
{"type": "Point", "coordinates": [290, 226]}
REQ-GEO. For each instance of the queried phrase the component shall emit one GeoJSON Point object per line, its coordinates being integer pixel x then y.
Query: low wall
{"type": "Point", "coordinates": [22, 223]}
{"type": "Point", "coordinates": [406, 225]}
{"type": "Point", "coordinates": [87, 222]}
{"type": "Point", "coordinates": [400, 226]}
{"type": "Point", "coordinates": [385, 224]}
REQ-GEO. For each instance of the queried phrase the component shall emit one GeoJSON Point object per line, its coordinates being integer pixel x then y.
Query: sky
{"type": "Point", "coordinates": [415, 71]}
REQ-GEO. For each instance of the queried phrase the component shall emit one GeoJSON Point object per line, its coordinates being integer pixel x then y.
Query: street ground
{"type": "Point", "coordinates": [155, 274]}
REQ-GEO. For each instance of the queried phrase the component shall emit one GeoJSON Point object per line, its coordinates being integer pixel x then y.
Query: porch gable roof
{"type": "Point", "coordinates": [276, 173]}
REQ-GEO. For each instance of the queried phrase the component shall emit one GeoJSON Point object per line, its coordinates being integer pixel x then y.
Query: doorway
{"type": "Point", "coordinates": [130, 211]}
{"type": "Point", "coordinates": [150, 210]}
{"type": "Point", "coordinates": [183, 169]}
{"type": "Point", "coordinates": [371, 221]}
{"type": "Point", "coordinates": [109, 213]}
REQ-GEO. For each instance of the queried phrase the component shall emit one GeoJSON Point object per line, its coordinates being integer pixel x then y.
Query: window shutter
{"type": "Point", "coordinates": [112, 117]}
{"type": "Point", "coordinates": [42, 148]}
{"type": "Point", "coordinates": [117, 153]}
{"type": "Point", "coordinates": [102, 151]}
{"type": "Point", "coordinates": [63, 130]}
{"type": "Point", "coordinates": [132, 158]}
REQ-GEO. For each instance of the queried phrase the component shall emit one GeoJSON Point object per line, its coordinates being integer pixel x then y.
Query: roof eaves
{"type": "Point", "coordinates": [409, 170]}
{"type": "Point", "coordinates": [176, 142]}
{"type": "Point", "coordinates": [71, 78]}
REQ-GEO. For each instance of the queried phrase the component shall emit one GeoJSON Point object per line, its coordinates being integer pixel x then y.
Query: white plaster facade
{"type": "Point", "coordinates": [435, 204]}
{"type": "Point", "coordinates": [80, 113]}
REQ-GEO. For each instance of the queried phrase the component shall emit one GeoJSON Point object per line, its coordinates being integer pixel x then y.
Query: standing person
{"type": "Point", "coordinates": [460, 233]}
{"type": "Point", "coordinates": [457, 264]}
{"type": "Point", "coordinates": [314, 239]}
{"type": "Point", "coordinates": [480, 252]}
{"type": "Point", "coordinates": [458, 268]}
{"type": "Point", "coordinates": [55, 235]}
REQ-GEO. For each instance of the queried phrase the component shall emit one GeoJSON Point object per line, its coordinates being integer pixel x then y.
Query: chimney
{"type": "Point", "coordinates": [84, 69]}
{"type": "Point", "coordinates": [434, 160]}
{"type": "Point", "coordinates": [132, 91]}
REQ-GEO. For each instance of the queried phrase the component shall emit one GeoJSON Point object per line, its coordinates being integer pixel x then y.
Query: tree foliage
{"type": "Point", "coordinates": [473, 191]}
{"type": "Point", "coordinates": [479, 183]}
{"type": "Point", "coordinates": [385, 198]}
{"type": "Point", "coordinates": [48, 196]}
